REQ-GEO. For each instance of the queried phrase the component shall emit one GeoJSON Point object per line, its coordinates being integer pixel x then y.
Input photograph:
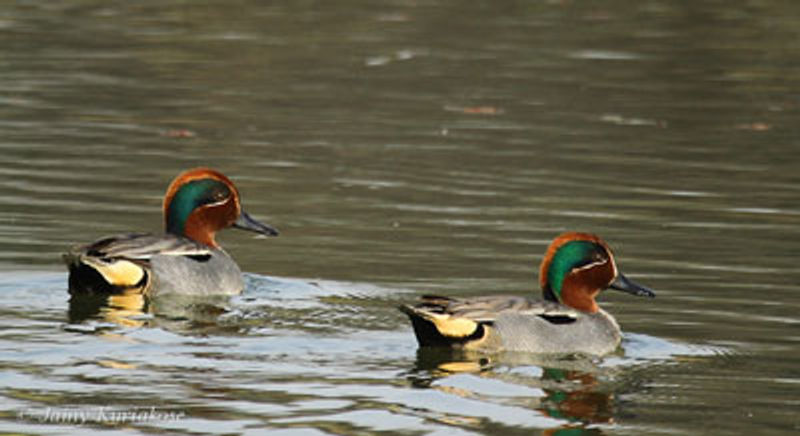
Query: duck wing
{"type": "Point", "coordinates": [141, 246]}
{"type": "Point", "coordinates": [120, 262]}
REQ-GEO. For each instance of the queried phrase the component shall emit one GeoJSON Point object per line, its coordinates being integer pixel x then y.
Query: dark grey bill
{"type": "Point", "coordinates": [246, 222]}
{"type": "Point", "coordinates": [621, 283]}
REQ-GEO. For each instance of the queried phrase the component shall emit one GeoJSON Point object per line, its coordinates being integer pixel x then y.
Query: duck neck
{"type": "Point", "coordinates": [198, 230]}
{"type": "Point", "coordinates": [580, 298]}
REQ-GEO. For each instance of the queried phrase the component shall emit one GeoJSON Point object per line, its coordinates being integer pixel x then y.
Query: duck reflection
{"type": "Point", "coordinates": [134, 309]}
{"type": "Point", "coordinates": [127, 309]}
{"type": "Point", "coordinates": [571, 392]}
{"type": "Point", "coordinates": [582, 402]}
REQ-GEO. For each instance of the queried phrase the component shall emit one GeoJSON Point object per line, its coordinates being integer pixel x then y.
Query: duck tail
{"type": "Point", "coordinates": [89, 274]}
{"type": "Point", "coordinates": [434, 329]}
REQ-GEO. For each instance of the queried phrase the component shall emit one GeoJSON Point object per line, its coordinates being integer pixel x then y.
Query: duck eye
{"type": "Point", "coordinates": [219, 195]}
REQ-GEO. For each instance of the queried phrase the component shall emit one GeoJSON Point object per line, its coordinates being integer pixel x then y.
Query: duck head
{"type": "Point", "coordinates": [577, 266]}
{"type": "Point", "coordinates": [201, 201]}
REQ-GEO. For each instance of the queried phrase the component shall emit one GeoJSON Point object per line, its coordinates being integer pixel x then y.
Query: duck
{"type": "Point", "coordinates": [575, 269]}
{"type": "Point", "coordinates": [185, 259]}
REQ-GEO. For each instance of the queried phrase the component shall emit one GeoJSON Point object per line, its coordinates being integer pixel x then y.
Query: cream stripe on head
{"type": "Point", "coordinates": [590, 266]}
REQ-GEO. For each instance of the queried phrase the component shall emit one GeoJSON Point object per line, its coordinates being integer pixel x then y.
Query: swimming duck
{"type": "Point", "coordinates": [575, 268]}
{"type": "Point", "coordinates": [185, 259]}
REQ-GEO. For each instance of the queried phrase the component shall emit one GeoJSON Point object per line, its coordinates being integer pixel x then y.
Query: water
{"type": "Point", "coordinates": [404, 148]}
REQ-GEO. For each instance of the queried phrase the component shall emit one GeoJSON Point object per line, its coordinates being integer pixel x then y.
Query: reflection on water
{"type": "Point", "coordinates": [578, 391]}
{"type": "Point", "coordinates": [125, 309]}
{"type": "Point", "coordinates": [552, 386]}
{"type": "Point", "coordinates": [405, 148]}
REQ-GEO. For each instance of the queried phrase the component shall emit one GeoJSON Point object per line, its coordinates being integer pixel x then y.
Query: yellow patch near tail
{"type": "Point", "coordinates": [122, 273]}
{"type": "Point", "coordinates": [453, 327]}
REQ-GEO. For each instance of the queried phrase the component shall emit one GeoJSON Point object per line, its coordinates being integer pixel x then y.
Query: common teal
{"type": "Point", "coordinates": [185, 259]}
{"type": "Point", "coordinates": [575, 268]}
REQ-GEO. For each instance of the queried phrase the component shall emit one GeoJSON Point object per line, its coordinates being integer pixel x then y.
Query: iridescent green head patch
{"type": "Point", "coordinates": [191, 196]}
{"type": "Point", "coordinates": [571, 255]}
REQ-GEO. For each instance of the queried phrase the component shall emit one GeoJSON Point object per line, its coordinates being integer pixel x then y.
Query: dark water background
{"type": "Point", "coordinates": [406, 147]}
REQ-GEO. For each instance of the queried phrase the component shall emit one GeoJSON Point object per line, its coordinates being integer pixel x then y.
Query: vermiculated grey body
{"type": "Point", "coordinates": [167, 264]}
{"type": "Point", "coordinates": [218, 274]}
{"type": "Point", "coordinates": [595, 333]}
{"type": "Point", "coordinates": [512, 323]}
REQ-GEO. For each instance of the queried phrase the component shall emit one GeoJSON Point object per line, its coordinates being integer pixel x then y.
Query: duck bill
{"type": "Point", "coordinates": [246, 222]}
{"type": "Point", "coordinates": [621, 283]}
